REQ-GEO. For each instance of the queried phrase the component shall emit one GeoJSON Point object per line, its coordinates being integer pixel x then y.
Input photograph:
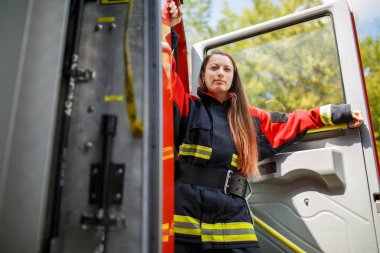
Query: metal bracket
{"type": "Point", "coordinates": [83, 75]}
{"type": "Point", "coordinates": [115, 183]}
{"type": "Point", "coordinates": [90, 221]}
{"type": "Point", "coordinates": [376, 198]}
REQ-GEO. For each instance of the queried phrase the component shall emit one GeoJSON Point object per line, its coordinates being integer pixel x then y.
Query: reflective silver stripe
{"type": "Point", "coordinates": [227, 231]}
{"type": "Point", "coordinates": [325, 114]}
{"type": "Point", "coordinates": [186, 225]}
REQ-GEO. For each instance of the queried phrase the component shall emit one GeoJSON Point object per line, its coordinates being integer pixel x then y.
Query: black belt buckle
{"type": "Point", "coordinates": [228, 176]}
{"type": "Point", "coordinates": [243, 193]}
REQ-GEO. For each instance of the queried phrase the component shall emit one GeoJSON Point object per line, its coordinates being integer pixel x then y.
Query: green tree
{"type": "Point", "coordinates": [258, 12]}
{"type": "Point", "coordinates": [197, 15]}
{"type": "Point", "coordinates": [287, 69]}
{"type": "Point", "coordinates": [370, 52]}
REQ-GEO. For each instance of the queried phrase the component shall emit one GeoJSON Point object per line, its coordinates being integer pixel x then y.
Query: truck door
{"type": "Point", "coordinates": [320, 194]}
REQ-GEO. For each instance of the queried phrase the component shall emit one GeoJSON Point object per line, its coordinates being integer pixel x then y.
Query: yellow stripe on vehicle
{"type": "Point", "coordinates": [169, 148]}
{"type": "Point", "coordinates": [165, 232]}
{"type": "Point", "coordinates": [168, 152]}
{"type": "Point", "coordinates": [278, 236]}
{"type": "Point", "coordinates": [106, 19]}
{"type": "Point", "coordinates": [328, 128]}
{"type": "Point", "coordinates": [113, 98]}
{"type": "Point", "coordinates": [168, 157]}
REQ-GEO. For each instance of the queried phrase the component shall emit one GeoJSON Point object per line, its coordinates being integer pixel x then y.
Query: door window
{"type": "Point", "coordinates": [294, 67]}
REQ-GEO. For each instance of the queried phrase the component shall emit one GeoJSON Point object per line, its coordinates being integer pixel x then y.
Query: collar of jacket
{"type": "Point", "coordinates": [208, 97]}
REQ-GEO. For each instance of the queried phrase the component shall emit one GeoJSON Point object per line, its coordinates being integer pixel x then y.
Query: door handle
{"type": "Point", "coordinates": [324, 164]}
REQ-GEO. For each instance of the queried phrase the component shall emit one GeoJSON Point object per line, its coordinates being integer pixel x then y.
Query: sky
{"type": "Point", "coordinates": [367, 14]}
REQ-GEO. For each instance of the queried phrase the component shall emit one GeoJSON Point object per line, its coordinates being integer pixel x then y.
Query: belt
{"type": "Point", "coordinates": [231, 182]}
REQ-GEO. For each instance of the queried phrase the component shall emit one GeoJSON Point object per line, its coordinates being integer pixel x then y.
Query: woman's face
{"type": "Point", "coordinates": [218, 76]}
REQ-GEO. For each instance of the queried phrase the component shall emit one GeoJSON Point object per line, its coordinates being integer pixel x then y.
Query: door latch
{"type": "Point", "coordinates": [376, 197]}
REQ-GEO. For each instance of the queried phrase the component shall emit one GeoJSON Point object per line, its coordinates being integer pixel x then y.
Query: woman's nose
{"type": "Point", "coordinates": [220, 72]}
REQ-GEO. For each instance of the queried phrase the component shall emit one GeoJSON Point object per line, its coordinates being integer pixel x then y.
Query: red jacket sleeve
{"type": "Point", "coordinates": [281, 128]}
{"type": "Point", "coordinates": [180, 97]}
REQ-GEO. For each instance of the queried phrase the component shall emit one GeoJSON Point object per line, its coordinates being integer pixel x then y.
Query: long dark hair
{"type": "Point", "coordinates": [240, 121]}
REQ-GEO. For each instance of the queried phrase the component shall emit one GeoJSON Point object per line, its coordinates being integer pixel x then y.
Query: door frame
{"type": "Point", "coordinates": [351, 72]}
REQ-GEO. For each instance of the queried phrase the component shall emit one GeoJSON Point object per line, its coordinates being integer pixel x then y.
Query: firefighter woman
{"type": "Point", "coordinates": [219, 140]}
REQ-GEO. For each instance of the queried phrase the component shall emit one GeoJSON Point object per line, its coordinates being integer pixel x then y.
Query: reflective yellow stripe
{"type": "Point", "coordinates": [234, 161]}
{"type": "Point", "coordinates": [112, 98]}
{"type": "Point", "coordinates": [228, 232]}
{"type": "Point", "coordinates": [195, 150]}
{"type": "Point", "coordinates": [106, 19]}
{"type": "Point", "coordinates": [229, 238]}
{"type": "Point", "coordinates": [329, 116]}
{"type": "Point", "coordinates": [229, 225]}
{"type": "Point", "coordinates": [189, 219]}
{"type": "Point", "coordinates": [194, 227]}
{"type": "Point", "coordinates": [321, 115]}
{"type": "Point", "coordinates": [325, 114]}
{"type": "Point", "coordinates": [168, 153]}
{"type": "Point", "coordinates": [328, 128]}
{"type": "Point", "coordinates": [235, 164]}
{"type": "Point", "coordinates": [169, 148]}
{"type": "Point", "coordinates": [195, 154]}
{"type": "Point", "coordinates": [195, 146]}
{"type": "Point", "coordinates": [187, 231]}
{"type": "Point", "coordinates": [168, 157]}
{"type": "Point", "coordinates": [278, 236]}
{"type": "Point", "coordinates": [165, 232]}
{"type": "Point", "coordinates": [215, 232]}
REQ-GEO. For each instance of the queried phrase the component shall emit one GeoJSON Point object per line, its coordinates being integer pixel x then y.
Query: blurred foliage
{"type": "Point", "coordinates": [286, 69]}
{"type": "Point", "coordinates": [370, 52]}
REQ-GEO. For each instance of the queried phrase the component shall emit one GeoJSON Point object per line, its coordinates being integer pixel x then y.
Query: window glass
{"type": "Point", "coordinates": [294, 67]}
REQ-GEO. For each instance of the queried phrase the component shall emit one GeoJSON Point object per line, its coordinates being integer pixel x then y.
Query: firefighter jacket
{"type": "Point", "coordinates": [203, 139]}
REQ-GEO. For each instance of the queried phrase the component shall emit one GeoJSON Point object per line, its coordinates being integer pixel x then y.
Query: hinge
{"type": "Point", "coordinates": [376, 198]}
{"type": "Point", "coordinates": [83, 75]}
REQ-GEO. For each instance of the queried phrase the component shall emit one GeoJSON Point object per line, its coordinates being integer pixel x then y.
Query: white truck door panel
{"type": "Point", "coordinates": [320, 193]}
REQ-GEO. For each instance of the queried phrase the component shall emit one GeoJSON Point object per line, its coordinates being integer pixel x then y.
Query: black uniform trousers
{"type": "Point", "coordinates": [183, 247]}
